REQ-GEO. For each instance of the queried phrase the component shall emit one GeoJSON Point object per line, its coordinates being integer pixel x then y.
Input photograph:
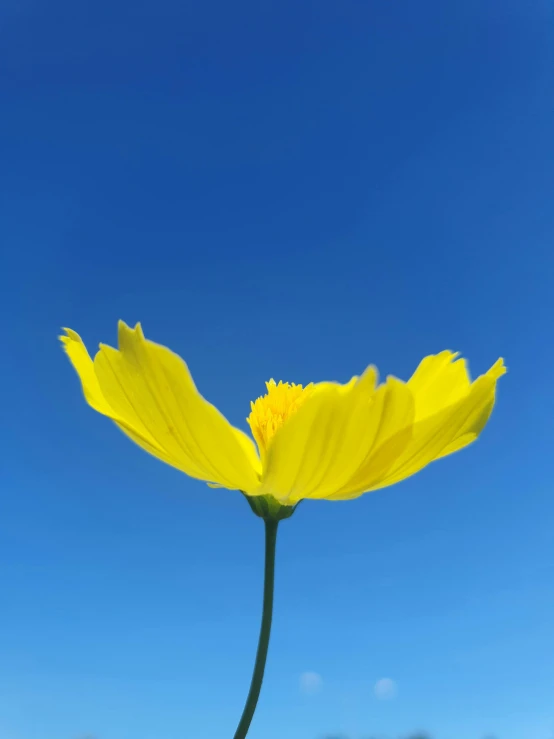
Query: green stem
{"type": "Point", "coordinates": [265, 630]}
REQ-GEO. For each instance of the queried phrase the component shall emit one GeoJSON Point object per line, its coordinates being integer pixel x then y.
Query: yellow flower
{"type": "Point", "coordinates": [326, 440]}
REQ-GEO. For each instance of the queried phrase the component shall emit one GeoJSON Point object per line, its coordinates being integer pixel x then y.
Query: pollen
{"type": "Point", "coordinates": [269, 412]}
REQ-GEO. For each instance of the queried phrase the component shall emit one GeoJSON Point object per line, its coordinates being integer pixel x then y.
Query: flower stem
{"type": "Point", "coordinates": [265, 630]}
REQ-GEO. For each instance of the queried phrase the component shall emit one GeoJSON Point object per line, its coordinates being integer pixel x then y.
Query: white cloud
{"type": "Point", "coordinates": [310, 683]}
{"type": "Point", "coordinates": [385, 689]}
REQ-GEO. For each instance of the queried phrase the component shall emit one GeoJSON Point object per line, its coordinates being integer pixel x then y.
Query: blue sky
{"type": "Point", "coordinates": [289, 190]}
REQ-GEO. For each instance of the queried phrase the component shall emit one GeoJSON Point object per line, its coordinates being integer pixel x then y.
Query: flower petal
{"type": "Point", "coordinates": [80, 359]}
{"type": "Point", "coordinates": [439, 381]}
{"type": "Point", "coordinates": [477, 422]}
{"type": "Point", "coordinates": [319, 448]}
{"type": "Point", "coordinates": [448, 430]}
{"type": "Point", "coordinates": [84, 366]}
{"type": "Point", "coordinates": [148, 391]}
{"type": "Point", "coordinates": [391, 421]}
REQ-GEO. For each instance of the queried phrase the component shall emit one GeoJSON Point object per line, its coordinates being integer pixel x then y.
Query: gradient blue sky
{"type": "Point", "coordinates": [289, 190]}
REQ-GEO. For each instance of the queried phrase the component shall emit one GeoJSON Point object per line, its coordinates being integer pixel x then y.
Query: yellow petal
{"type": "Point", "coordinates": [319, 448]}
{"type": "Point", "coordinates": [448, 430]}
{"type": "Point", "coordinates": [438, 382]}
{"type": "Point", "coordinates": [391, 420]}
{"type": "Point", "coordinates": [80, 359]}
{"type": "Point", "coordinates": [83, 364]}
{"type": "Point", "coordinates": [148, 391]}
{"type": "Point", "coordinates": [477, 421]}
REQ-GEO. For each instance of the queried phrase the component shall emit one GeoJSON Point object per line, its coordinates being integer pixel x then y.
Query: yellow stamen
{"type": "Point", "coordinates": [270, 411]}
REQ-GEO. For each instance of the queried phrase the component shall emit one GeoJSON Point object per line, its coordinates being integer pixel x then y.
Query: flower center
{"type": "Point", "coordinates": [270, 412]}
